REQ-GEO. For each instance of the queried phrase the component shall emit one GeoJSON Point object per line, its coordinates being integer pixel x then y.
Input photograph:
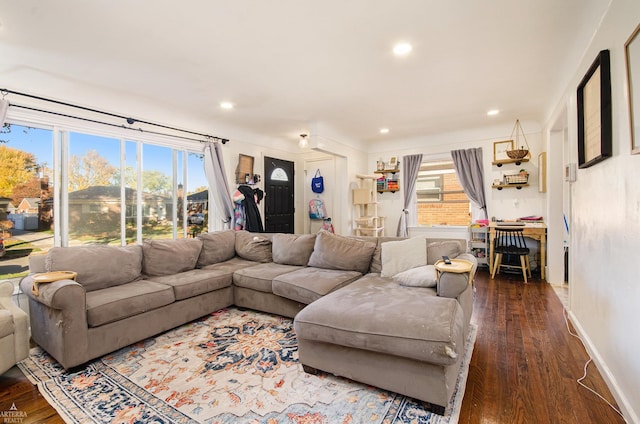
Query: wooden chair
{"type": "Point", "coordinates": [510, 241]}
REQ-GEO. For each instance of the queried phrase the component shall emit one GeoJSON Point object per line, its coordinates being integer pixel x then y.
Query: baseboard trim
{"type": "Point", "coordinates": [623, 402]}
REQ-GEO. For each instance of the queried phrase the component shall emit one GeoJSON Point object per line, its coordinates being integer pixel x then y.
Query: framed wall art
{"type": "Point", "coordinates": [632, 55]}
{"type": "Point", "coordinates": [594, 113]}
{"type": "Point", "coordinates": [542, 172]}
{"type": "Point", "coordinates": [244, 170]}
{"type": "Point", "coordinates": [500, 150]}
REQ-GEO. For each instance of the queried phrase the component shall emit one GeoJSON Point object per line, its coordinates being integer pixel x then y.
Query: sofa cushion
{"type": "Point", "coordinates": [292, 249]}
{"type": "Point", "coordinates": [309, 284]}
{"type": "Point", "coordinates": [377, 314]}
{"type": "Point", "coordinates": [166, 257]}
{"type": "Point", "coordinates": [217, 247]}
{"type": "Point", "coordinates": [376, 261]}
{"type": "Point", "coordinates": [422, 276]}
{"type": "Point", "coordinates": [116, 303]}
{"type": "Point", "coordinates": [253, 247]}
{"type": "Point", "coordinates": [98, 267]}
{"type": "Point", "coordinates": [333, 251]}
{"type": "Point", "coordinates": [232, 265]}
{"type": "Point", "coordinates": [259, 277]}
{"type": "Point", "coordinates": [401, 255]}
{"type": "Point", "coordinates": [436, 250]}
{"type": "Point", "coordinates": [195, 282]}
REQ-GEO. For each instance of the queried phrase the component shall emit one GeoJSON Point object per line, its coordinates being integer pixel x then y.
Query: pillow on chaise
{"type": "Point", "coordinates": [333, 251]}
{"type": "Point", "coordinates": [292, 249]}
{"type": "Point", "coordinates": [166, 257]}
{"type": "Point", "coordinates": [218, 246]}
{"type": "Point", "coordinates": [253, 247]}
{"type": "Point", "coordinates": [422, 276]}
{"type": "Point", "coordinates": [401, 255]}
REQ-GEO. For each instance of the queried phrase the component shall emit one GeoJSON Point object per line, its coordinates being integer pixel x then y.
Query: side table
{"type": "Point", "coordinates": [457, 266]}
{"type": "Point", "coordinates": [50, 277]}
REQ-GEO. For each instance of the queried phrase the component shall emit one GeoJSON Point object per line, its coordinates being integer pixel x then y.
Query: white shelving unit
{"type": "Point", "coordinates": [479, 244]}
{"type": "Point", "coordinates": [366, 219]}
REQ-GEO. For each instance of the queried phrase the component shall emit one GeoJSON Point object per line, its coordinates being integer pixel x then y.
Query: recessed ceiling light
{"type": "Point", "coordinates": [493, 112]}
{"type": "Point", "coordinates": [402, 49]}
{"type": "Point", "coordinates": [226, 105]}
{"type": "Point", "coordinates": [384, 130]}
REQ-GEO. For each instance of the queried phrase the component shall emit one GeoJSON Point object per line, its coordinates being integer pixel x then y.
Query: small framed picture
{"type": "Point", "coordinates": [500, 150]}
{"type": "Point", "coordinates": [393, 163]}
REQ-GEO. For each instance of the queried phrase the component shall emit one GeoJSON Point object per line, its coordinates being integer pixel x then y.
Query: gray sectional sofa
{"type": "Point", "coordinates": [366, 308]}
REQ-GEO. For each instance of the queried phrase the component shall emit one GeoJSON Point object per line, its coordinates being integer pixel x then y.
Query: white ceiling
{"type": "Point", "coordinates": [288, 64]}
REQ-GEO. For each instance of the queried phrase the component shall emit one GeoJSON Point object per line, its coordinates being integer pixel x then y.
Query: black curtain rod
{"type": "Point", "coordinates": [129, 120]}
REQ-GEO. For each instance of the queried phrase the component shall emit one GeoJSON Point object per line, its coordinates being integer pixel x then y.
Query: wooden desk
{"type": "Point", "coordinates": [534, 230]}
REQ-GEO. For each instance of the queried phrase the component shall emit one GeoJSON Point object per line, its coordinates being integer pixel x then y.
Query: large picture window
{"type": "Point", "coordinates": [79, 187]}
{"type": "Point", "coordinates": [440, 199]}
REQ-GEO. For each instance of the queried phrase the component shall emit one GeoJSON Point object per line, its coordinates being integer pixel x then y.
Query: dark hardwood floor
{"type": "Point", "coordinates": [525, 363]}
{"type": "Point", "coordinates": [524, 366]}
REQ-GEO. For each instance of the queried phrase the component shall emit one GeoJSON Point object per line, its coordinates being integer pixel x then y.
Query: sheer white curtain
{"type": "Point", "coordinates": [218, 185]}
{"type": "Point", "coordinates": [411, 165]}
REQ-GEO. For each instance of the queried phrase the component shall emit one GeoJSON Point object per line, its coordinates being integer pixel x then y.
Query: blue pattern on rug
{"type": "Point", "coordinates": [231, 366]}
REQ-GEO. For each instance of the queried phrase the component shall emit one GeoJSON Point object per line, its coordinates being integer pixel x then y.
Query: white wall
{"type": "Point", "coordinates": [604, 294]}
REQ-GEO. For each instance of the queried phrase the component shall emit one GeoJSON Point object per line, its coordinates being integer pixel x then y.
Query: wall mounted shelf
{"type": "Point", "coordinates": [517, 186]}
{"type": "Point", "coordinates": [499, 163]}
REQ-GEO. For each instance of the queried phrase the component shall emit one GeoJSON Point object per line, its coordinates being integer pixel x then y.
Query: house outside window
{"type": "Point", "coordinates": [111, 190]}
{"type": "Point", "coordinates": [440, 199]}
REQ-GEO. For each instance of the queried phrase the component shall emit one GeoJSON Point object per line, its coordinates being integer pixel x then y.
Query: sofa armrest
{"type": "Point", "coordinates": [20, 321]}
{"type": "Point", "coordinates": [59, 294]}
{"type": "Point", "coordinates": [58, 316]}
{"type": "Point", "coordinates": [453, 284]}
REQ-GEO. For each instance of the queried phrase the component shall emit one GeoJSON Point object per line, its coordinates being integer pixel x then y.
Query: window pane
{"type": "Point", "coordinates": [26, 190]}
{"type": "Point", "coordinates": [197, 195]}
{"type": "Point", "coordinates": [94, 189]}
{"type": "Point", "coordinates": [157, 193]}
{"type": "Point", "coordinates": [440, 197]}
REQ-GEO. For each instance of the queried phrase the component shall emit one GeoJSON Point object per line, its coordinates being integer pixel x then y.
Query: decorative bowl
{"type": "Point", "coordinates": [518, 153]}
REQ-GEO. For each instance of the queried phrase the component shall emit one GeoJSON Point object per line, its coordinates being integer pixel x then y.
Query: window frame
{"type": "Point", "coordinates": [61, 127]}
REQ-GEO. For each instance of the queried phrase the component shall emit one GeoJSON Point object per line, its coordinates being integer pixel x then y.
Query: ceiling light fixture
{"type": "Point", "coordinates": [493, 112]}
{"type": "Point", "coordinates": [226, 105]}
{"type": "Point", "coordinates": [402, 49]}
{"type": "Point", "coordinates": [303, 143]}
{"type": "Point", "coordinates": [384, 130]}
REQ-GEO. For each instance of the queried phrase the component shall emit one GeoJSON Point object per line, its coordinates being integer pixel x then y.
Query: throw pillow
{"type": "Point", "coordinates": [166, 257]}
{"type": "Point", "coordinates": [217, 247]}
{"type": "Point", "coordinates": [437, 249]}
{"type": "Point", "coordinates": [253, 247]}
{"type": "Point", "coordinates": [422, 276]}
{"type": "Point", "coordinates": [398, 256]}
{"type": "Point", "coordinates": [292, 249]}
{"type": "Point", "coordinates": [334, 251]}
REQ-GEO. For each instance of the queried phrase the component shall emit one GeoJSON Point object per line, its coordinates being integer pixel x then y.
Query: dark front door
{"type": "Point", "coordinates": [278, 196]}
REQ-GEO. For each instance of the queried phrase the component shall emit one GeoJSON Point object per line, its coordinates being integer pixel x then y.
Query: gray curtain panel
{"type": "Point", "coordinates": [218, 184]}
{"type": "Point", "coordinates": [411, 165]}
{"type": "Point", "coordinates": [470, 172]}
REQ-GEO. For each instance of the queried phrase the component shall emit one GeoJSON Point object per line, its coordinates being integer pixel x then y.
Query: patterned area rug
{"type": "Point", "coordinates": [233, 366]}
